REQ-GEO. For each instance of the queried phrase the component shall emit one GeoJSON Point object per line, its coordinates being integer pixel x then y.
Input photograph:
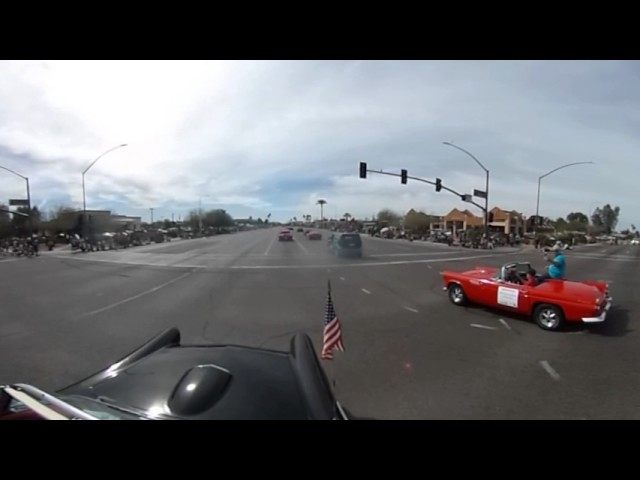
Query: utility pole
{"type": "Point", "coordinates": [151, 209]}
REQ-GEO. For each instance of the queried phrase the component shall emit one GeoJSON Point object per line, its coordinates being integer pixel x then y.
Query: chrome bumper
{"type": "Point", "coordinates": [601, 318]}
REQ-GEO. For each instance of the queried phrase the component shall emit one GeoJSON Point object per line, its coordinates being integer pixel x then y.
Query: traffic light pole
{"type": "Point", "coordinates": [417, 179]}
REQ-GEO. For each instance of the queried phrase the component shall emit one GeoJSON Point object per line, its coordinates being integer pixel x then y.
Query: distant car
{"type": "Point", "coordinates": [345, 245]}
{"type": "Point", "coordinates": [551, 302]}
{"type": "Point", "coordinates": [165, 380]}
{"type": "Point", "coordinates": [314, 236]}
{"type": "Point", "coordinates": [635, 241]}
{"type": "Point", "coordinates": [285, 236]}
{"type": "Point", "coordinates": [300, 230]}
{"type": "Point", "coordinates": [306, 232]}
{"type": "Point", "coordinates": [290, 228]}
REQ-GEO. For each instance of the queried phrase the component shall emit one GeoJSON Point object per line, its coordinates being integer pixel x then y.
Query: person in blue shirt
{"type": "Point", "coordinates": [557, 264]}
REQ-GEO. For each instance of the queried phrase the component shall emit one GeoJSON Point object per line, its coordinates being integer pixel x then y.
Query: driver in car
{"type": "Point", "coordinates": [512, 276]}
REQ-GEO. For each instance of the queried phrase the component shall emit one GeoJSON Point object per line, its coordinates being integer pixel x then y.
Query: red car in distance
{"type": "Point", "coordinates": [551, 302]}
{"type": "Point", "coordinates": [314, 236]}
{"type": "Point", "coordinates": [285, 236]}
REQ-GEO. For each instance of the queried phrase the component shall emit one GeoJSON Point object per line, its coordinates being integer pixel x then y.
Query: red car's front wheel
{"type": "Point", "coordinates": [456, 294]}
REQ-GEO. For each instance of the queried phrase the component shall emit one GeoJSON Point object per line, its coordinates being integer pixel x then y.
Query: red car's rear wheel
{"type": "Point", "coordinates": [548, 317]}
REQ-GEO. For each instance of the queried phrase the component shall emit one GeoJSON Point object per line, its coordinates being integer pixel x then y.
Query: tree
{"type": "Point", "coordinates": [193, 219]}
{"type": "Point", "coordinates": [606, 217]}
{"type": "Point", "coordinates": [217, 218]}
{"type": "Point", "coordinates": [5, 221]}
{"type": "Point", "coordinates": [346, 216]}
{"type": "Point", "coordinates": [560, 224]}
{"type": "Point", "coordinates": [322, 203]}
{"type": "Point", "coordinates": [577, 217]}
{"type": "Point", "coordinates": [25, 225]}
{"type": "Point", "coordinates": [62, 219]}
{"type": "Point", "coordinates": [389, 217]}
{"type": "Point", "coordinates": [417, 222]}
{"type": "Point", "coordinates": [5, 216]}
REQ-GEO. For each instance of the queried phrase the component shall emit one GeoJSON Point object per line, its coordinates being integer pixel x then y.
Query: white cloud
{"type": "Point", "coordinates": [231, 130]}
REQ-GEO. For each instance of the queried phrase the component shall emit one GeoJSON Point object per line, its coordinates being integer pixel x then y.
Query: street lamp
{"type": "Point", "coordinates": [84, 199]}
{"type": "Point", "coordinates": [26, 179]}
{"type": "Point", "coordinates": [200, 210]}
{"type": "Point", "coordinates": [486, 188]}
{"type": "Point", "coordinates": [547, 174]}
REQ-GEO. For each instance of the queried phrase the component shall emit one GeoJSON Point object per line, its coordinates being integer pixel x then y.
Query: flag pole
{"type": "Point", "coordinates": [332, 370]}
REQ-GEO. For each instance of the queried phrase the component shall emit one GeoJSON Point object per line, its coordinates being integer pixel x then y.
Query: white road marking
{"type": "Point", "coordinates": [369, 264]}
{"type": "Point", "coordinates": [342, 278]}
{"type": "Point", "coordinates": [273, 240]}
{"type": "Point", "coordinates": [304, 249]}
{"type": "Point", "coordinates": [411, 309]}
{"type": "Point", "coordinates": [486, 327]}
{"type": "Point", "coordinates": [506, 325]}
{"type": "Point", "coordinates": [366, 291]}
{"type": "Point", "coordinates": [135, 297]}
{"type": "Point", "coordinates": [409, 254]}
{"type": "Point", "coordinates": [544, 364]}
{"type": "Point", "coordinates": [607, 259]}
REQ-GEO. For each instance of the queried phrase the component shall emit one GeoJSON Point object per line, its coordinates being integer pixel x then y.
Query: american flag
{"type": "Point", "coordinates": [332, 331]}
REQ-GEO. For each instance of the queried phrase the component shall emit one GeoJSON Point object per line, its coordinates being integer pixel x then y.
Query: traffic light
{"type": "Point", "coordinates": [363, 170]}
{"type": "Point", "coordinates": [403, 176]}
{"type": "Point", "coordinates": [438, 184]}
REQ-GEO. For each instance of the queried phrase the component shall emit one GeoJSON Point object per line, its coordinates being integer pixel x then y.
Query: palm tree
{"type": "Point", "coordinates": [322, 203]}
{"type": "Point", "coordinates": [346, 216]}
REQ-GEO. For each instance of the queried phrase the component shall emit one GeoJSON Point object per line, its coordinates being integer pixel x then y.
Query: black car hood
{"type": "Point", "coordinates": [208, 382]}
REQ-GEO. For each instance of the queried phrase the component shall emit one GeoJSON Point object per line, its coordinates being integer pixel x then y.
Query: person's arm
{"type": "Point", "coordinates": [553, 261]}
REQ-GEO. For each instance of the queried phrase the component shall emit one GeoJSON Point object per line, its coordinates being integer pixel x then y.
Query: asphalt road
{"type": "Point", "coordinates": [410, 353]}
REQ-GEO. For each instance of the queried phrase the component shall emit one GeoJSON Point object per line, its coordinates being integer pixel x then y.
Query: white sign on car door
{"type": "Point", "coordinates": [508, 297]}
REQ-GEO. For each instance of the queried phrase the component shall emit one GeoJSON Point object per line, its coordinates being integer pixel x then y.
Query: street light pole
{"type": "Point", "coordinates": [26, 179]}
{"type": "Point", "coordinates": [486, 191]}
{"type": "Point", "coordinates": [540, 181]}
{"type": "Point", "coordinates": [84, 198]}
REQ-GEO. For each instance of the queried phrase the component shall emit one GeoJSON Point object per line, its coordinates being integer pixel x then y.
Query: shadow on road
{"type": "Point", "coordinates": [616, 324]}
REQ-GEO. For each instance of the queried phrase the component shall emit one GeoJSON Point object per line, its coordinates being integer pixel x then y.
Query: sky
{"type": "Point", "coordinates": [260, 137]}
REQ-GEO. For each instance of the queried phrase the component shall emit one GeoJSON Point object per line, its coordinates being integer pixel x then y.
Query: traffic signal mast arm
{"type": "Point", "coordinates": [461, 196]}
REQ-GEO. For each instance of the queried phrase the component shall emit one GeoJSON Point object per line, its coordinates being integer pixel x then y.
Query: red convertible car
{"type": "Point", "coordinates": [551, 302]}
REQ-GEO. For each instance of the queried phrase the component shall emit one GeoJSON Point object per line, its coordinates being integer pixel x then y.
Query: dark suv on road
{"type": "Point", "coordinates": [346, 245]}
